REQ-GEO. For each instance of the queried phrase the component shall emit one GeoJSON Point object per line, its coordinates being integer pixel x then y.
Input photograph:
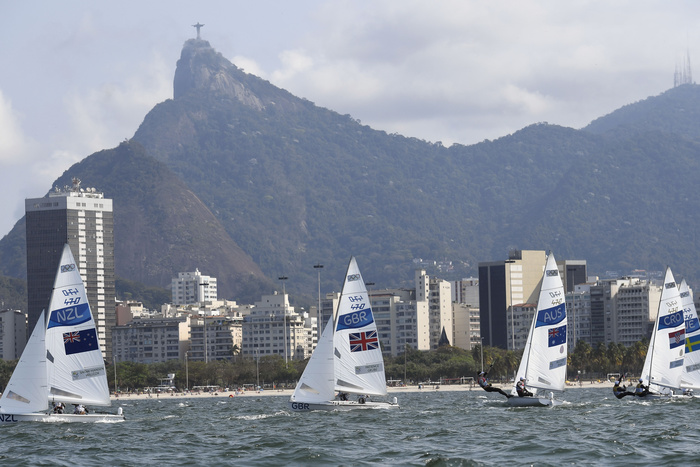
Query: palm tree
{"type": "Point", "coordinates": [235, 351]}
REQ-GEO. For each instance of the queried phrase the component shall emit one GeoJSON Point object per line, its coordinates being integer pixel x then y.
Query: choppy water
{"type": "Point", "coordinates": [431, 428]}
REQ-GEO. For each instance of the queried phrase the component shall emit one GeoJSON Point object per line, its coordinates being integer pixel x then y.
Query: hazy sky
{"type": "Point", "coordinates": [79, 76]}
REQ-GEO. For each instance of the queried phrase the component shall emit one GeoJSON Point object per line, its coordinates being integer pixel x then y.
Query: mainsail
{"type": "Point", "coordinates": [663, 366]}
{"type": "Point", "coordinates": [359, 366]}
{"type": "Point", "coordinates": [691, 360]}
{"type": "Point", "coordinates": [76, 370]}
{"type": "Point", "coordinates": [543, 364]}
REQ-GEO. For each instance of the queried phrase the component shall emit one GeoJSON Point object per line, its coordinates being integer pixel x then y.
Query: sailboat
{"type": "Point", "coordinates": [543, 364]}
{"type": "Point", "coordinates": [690, 378]}
{"type": "Point", "coordinates": [347, 358]}
{"type": "Point", "coordinates": [663, 365]}
{"type": "Point", "coordinates": [62, 361]}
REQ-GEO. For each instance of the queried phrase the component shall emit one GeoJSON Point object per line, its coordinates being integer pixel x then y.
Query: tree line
{"type": "Point", "coordinates": [446, 364]}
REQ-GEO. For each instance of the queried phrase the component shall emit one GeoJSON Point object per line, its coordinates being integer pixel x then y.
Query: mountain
{"type": "Point", "coordinates": [234, 173]}
{"type": "Point", "coordinates": [161, 227]}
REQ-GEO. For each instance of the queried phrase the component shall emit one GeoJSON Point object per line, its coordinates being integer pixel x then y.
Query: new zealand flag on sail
{"type": "Point", "coordinates": [557, 336]}
{"type": "Point", "coordinates": [80, 341]}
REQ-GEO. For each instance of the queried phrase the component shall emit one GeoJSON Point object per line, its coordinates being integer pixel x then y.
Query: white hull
{"type": "Point", "coordinates": [533, 402]}
{"type": "Point", "coordinates": [60, 418]}
{"type": "Point", "coordinates": [340, 405]}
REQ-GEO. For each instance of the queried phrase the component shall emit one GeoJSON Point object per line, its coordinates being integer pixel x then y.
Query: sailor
{"type": "Point", "coordinates": [641, 390]}
{"type": "Point", "coordinates": [486, 385]}
{"type": "Point", "coordinates": [522, 390]}
{"type": "Point", "coordinates": [343, 396]}
{"type": "Point", "coordinates": [80, 409]}
{"type": "Point", "coordinates": [620, 390]}
{"type": "Point", "coordinates": [58, 407]}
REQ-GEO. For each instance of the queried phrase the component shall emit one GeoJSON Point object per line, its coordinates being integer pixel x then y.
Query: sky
{"type": "Point", "coordinates": [79, 76]}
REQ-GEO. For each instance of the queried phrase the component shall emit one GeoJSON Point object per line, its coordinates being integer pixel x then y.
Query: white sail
{"type": "Point", "coordinates": [691, 360]}
{"type": "Point", "coordinates": [663, 365]}
{"type": "Point", "coordinates": [691, 363]}
{"type": "Point", "coordinates": [76, 370]}
{"type": "Point", "coordinates": [359, 366]}
{"type": "Point", "coordinates": [544, 358]}
{"type": "Point", "coordinates": [26, 391]}
{"type": "Point", "coordinates": [316, 384]}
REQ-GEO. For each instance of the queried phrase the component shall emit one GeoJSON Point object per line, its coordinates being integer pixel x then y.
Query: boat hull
{"type": "Point", "coordinates": [6, 418]}
{"type": "Point", "coordinates": [533, 402]}
{"type": "Point", "coordinates": [340, 405]}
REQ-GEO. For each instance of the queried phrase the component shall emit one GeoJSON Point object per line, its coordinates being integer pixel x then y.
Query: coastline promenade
{"type": "Point", "coordinates": [394, 391]}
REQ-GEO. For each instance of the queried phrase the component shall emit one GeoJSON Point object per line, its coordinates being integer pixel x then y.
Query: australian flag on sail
{"type": "Point", "coordinates": [677, 338]}
{"type": "Point", "coordinates": [360, 341]}
{"type": "Point", "coordinates": [557, 336]}
{"type": "Point", "coordinates": [80, 341]}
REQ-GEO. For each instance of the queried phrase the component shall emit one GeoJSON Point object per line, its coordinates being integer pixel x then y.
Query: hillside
{"type": "Point", "coordinates": [236, 174]}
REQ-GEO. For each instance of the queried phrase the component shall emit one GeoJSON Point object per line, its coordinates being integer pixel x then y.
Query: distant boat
{"type": "Point", "coordinates": [62, 361]}
{"type": "Point", "coordinates": [663, 366]}
{"type": "Point", "coordinates": [543, 364]}
{"type": "Point", "coordinates": [347, 359]}
{"type": "Point", "coordinates": [690, 378]}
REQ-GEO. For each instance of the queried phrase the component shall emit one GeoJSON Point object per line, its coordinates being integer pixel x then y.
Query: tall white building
{"type": "Point", "coordinates": [466, 291]}
{"type": "Point", "coordinates": [466, 322]}
{"type": "Point", "coordinates": [631, 307]}
{"type": "Point", "coordinates": [578, 315]}
{"type": "Point", "coordinates": [273, 328]}
{"type": "Point", "coordinates": [190, 288]}
{"type": "Point", "coordinates": [402, 321]}
{"type": "Point", "coordinates": [13, 334]}
{"type": "Point", "coordinates": [438, 294]}
{"type": "Point", "coordinates": [81, 217]}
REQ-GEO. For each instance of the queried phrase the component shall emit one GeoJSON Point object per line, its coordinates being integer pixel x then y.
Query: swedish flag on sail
{"type": "Point", "coordinates": [692, 343]}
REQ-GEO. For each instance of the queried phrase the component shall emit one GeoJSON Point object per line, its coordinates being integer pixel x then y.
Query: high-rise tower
{"type": "Point", "coordinates": [83, 218]}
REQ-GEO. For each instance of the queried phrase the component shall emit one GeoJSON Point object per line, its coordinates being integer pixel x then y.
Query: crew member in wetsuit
{"type": "Point", "coordinates": [620, 390]}
{"type": "Point", "coordinates": [486, 385]}
{"type": "Point", "coordinates": [641, 390]}
{"type": "Point", "coordinates": [522, 390]}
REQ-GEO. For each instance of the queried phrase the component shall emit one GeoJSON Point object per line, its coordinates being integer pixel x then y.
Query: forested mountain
{"type": "Point", "coordinates": [283, 184]}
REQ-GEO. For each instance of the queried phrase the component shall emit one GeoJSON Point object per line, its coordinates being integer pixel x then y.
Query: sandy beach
{"type": "Point", "coordinates": [288, 392]}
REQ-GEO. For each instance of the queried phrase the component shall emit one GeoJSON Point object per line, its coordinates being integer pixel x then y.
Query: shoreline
{"type": "Point", "coordinates": [288, 392]}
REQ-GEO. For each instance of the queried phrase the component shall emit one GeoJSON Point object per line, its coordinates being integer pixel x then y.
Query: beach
{"type": "Point", "coordinates": [393, 390]}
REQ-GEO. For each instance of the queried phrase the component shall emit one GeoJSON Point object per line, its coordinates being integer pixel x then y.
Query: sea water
{"type": "Point", "coordinates": [432, 427]}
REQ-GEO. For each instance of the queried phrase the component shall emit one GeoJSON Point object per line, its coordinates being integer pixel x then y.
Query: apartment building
{"type": "Point", "coordinates": [273, 328]}
{"type": "Point", "coordinates": [13, 334]}
{"type": "Point", "coordinates": [83, 218]}
{"type": "Point", "coordinates": [151, 340]}
{"type": "Point", "coordinates": [193, 287]}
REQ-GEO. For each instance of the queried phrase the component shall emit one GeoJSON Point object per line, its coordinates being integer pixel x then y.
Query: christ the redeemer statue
{"type": "Point", "coordinates": [198, 26]}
